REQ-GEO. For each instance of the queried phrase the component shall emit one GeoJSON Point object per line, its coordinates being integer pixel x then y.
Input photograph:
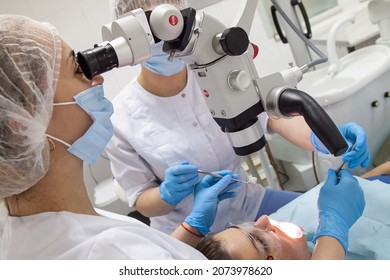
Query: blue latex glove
{"type": "Point", "coordinates": [207, 195]}
{"type": "Point", "coordinates": [179, 182]}
{"type": "Point", "coordinates": [340, 203]}
{"type": "Point", "coordinates": [353, 134]}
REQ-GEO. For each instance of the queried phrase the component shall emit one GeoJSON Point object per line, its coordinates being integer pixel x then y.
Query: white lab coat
{"type": "Point", "coordinates": [69, 236]}
{"type": "Point", "coordinates": [152, 133]}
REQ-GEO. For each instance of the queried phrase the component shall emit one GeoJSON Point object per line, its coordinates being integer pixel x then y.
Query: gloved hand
{"type": "Point", "coordinates": [208, 193]}
{"type": "Point", "coordinates": [340, 204]}
{"type": "Point", "coordinates": [353, 134]}
{"type": "Point", "coordinates": [179, 182]}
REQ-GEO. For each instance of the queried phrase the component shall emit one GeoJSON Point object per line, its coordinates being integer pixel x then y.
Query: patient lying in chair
{"type": "Point", "coordinates": [369, 237]}
{"type": "Point", "coordinates": [264, 239]}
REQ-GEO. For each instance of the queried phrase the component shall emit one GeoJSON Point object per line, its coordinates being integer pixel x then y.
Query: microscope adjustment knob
{"type": "Point", "coordinates": [166, 22]}
{"type": "Point", "coordinates": [239, 80]}
{"type": "Point", "coordinates": [234, 41]}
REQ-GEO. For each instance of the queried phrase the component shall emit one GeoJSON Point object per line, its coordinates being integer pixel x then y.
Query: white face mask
{"type": "Point", "coordinates": [90, 146]}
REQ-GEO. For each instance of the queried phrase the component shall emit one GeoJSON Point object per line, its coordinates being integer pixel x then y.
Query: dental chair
{"type": "Point", "coordinates": [101, 188]}
{"type": "Point", "coordinates": [122, 196]}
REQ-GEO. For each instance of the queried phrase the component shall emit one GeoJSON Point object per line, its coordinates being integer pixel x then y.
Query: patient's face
{"type": "Point", "coordinates": [262, 240]}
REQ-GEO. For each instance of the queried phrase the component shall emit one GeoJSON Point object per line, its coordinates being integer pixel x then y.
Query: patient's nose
{"type": "Point", "coordinates": [263, 222]}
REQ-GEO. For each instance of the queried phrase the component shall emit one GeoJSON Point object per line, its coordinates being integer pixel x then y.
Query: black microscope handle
{"type": "Point", "coordinates": [293, 102]}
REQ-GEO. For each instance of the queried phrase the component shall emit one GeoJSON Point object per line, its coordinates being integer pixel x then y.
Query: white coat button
{"type": "Point", "coordinates": [195, 124]}
{"type": "Point", "coordinates": [183, 95]}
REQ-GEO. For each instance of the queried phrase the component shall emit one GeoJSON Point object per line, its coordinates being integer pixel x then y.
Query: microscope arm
{"type": "Point", "coordinates": [246, 16]}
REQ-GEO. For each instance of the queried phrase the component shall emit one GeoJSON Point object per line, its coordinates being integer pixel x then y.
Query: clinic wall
{"type": "Point", "coordinates": [78, 22]}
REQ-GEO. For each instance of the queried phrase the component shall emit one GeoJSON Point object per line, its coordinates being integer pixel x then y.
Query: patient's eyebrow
{"type": "Point", "coordinates": [252, 239]}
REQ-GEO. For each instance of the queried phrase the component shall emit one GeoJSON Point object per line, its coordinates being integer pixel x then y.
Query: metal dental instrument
{"type": "Point", "coordinates": [339, 169]}
{"type": "Point", "coordinates": [220, 176]}
{"type": "Point", "coordinates": [342, 165]}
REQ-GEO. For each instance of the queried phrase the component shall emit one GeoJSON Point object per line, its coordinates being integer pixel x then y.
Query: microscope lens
{"type": "Point", "coordinates": [97, 60]}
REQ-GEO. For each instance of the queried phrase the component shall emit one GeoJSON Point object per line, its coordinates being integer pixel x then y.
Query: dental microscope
{"type": "Point", "coordinates": [221, 59]}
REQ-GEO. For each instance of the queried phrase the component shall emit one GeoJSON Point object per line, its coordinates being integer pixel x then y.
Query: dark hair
{"type": "Point", "coordinates": [213, 249]}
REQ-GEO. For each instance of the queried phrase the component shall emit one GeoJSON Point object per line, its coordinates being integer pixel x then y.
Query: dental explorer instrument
{"type": "Point", "coordinates": [339, 169]}
{"type": "Point", "coordinates": [342, 165]}
{"type": "Point", "coordinates": [250, 181]}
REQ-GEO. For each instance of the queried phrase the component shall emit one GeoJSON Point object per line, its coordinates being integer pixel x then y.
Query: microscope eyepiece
{"type": "Point", "coordinates": [98, 60]}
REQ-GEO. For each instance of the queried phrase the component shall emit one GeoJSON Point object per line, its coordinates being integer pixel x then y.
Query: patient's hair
{"type": "Point", "coordinates": [213, 249]}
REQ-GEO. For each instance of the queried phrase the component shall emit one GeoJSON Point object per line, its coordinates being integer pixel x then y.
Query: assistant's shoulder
{"type": "Point", "coordinates": [126, 95]}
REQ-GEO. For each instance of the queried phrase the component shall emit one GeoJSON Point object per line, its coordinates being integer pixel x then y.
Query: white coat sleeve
{"type": "Point", "coordinates": [129, 169]}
